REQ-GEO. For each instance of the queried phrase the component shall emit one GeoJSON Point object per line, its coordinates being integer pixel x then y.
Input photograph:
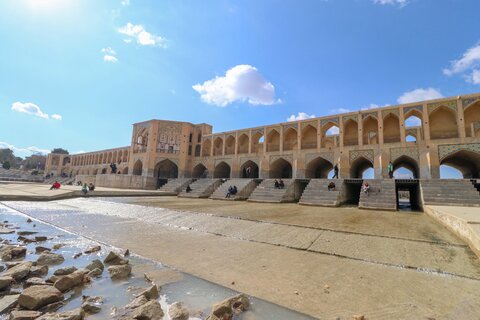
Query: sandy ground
{"type": "Point", "coordinates": [326, 262]}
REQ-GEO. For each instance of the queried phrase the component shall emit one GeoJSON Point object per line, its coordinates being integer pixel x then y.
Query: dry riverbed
{"type": "Point", "coordinates": [47, 273]}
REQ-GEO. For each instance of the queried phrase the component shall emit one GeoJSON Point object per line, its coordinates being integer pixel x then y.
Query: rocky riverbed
{"type": "Point", "coordinates": [47, 273]}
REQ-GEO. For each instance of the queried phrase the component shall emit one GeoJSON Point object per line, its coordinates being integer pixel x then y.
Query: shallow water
{"type": "Point", "coordinates": [197, 294]}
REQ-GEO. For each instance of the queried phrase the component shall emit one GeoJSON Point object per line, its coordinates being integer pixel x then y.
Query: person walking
{"type": "Point", "coordinates": [390, 170]}
{"type": "Point", "coordinates": [85, 188]}
{"type": "Point", "coordinates": [335, 172]}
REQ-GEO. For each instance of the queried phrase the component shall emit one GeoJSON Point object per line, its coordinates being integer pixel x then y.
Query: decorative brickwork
{"type": "Point", "coordinates": [325, 155]}
{"type": "Point", "coordinates": [353, 117]}
{"type": "Point", "coordinates": [311, 123]}
{"type": "Point", "coordinates": [323, 122]}
{"type": "Point", "coordinates": [445, 150]}
{"type": "Point", "coordinates": [289, 158]}
{"type": "Point", "coordinates": [387, 112]}
{"type": "Point", "coordinates": [452, 104]}
{"type": "Point", "coordinates": [367, 154]}
{"type": "Point", "coordinates": [408, 109]}
{"type": "Point", "coordinates": [411, 152]}
{"type": "Point", "coordinates": [370, 114]}
{"type": "Point", "coordinates": [469, 101]}
{"type": "Point", "coordinates": [253, 159]}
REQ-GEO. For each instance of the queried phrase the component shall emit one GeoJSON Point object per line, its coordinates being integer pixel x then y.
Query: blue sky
{"type": "Point", "coordinates": [82, 71]}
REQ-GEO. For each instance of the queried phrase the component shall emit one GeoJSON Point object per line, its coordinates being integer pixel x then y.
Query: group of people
{"type": "Point", "coordinates": [86, 188]}
{"type": "Point", "coordinates": [279, 184]}
{"type": "Point", "coordinates": [231, 191]}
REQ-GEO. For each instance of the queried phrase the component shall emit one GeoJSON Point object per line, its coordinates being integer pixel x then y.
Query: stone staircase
{"type": "Point", "coordinates": [245, 188]}
{"type": "Point", "coordinates": [382, 195]}
{"type": "Point", "coordinates": [449, 192]}
{"type": "Point", "coordinates": [317, 194]}
{"type": "Point", "coordinates": [175, 186]}
{"type": "Point", "coordinates": [266, 192]}
{"type": "Point", "coordinates": [201, 188]}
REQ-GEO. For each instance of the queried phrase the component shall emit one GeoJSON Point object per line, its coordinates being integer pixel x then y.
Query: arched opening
{"type": "Point", "coordinates": [207, 145]}
{"type": "Point", "coordinates": [467, 162]}
{"type": "Point", "coordinates": [125, 170]}
{"type": "Point", "coordinates": [370, 130]}
{"type": "Point", "coordinates": [472, 120]}
{"type": "Point", "coordinates": [166, 169]}
{"type": "Point", "coordinates": [249, 170]}
{"type": "Point", "coordinates": [309, 137]}
{"type": "Point", "coordinates": [137, 168]}
{"type": "Point", "coordinates": [413, 121]}
{"type": "Point", "coordinates": [411, 138]}
{"type": "Point", "coordinates": [290, 139]}
{"type": "Point", "coordinates": [222, 170]}
{"type": "Point", "coordinates": [66, 160]}
{"type": "Point", "coordinates": [125, 156]}
{"type": "Point", "coordinates": [273, 141]}
{"type": "Point", "coordinates": [218, 147]}
{"type": "Point", "coordinates": [281, 168]}
{"type": "Point", "coordinates": [350, 133]}
{"type": "Point", "coordinates": [230, 145]}
{"type": "Point", "coordinates": [197, 150]}
{"type": "Point", "coordinates": [104, 158]}
{"type": "Point", "coordinates": [199, 171]}
{"type": "Point", "coordinates": [330, 135]}
{"type": "Point", "coordinates": [243, 143]}
{"type": "Point", "coordinates": [318, 168]}
{"type": "Point", "coordinates": [360, 169]}
{"type": "Point", "coordinates": [257, 142]}
{"type": "Point", "coordinates": [119, 157]}
{"type": "Point", "coordinates": [405, 167]}
{"type": "Point", "coordinates": [114, 156]}
{"type": "Point", "coordinates": [443, 124]}
{"type": "Point", "coordinates": [391, 129]}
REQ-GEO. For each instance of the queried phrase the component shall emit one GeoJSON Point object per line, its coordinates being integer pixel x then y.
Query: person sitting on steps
{"type": "Point", "coordinates": [366, 188]}
{"type": "Point", "coordinates": [276, 184]}
{"type": "Point", "coordinates": [331, 186]}
{"type": "Point", "coordinates": [229, 192]}
{"type": "Point", "coordinates": [55, 186]}
{"type": "Point", "coordinates": [281, 185]}
{"type": "Point", "coordinates": [188, 189]}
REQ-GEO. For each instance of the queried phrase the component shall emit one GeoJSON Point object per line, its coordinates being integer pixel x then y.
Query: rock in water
{"type": "Point", "coordinates": [9, 252]}
{"type": "Point", "coordinates": [5, 282]}
{"type": "Point", "coordinates": [92, 249]}
{"type": "Point", "coordinates": [151, 293]}
{"type": "Point", "coordinates": [35, 297]}
{"type": "Point", "coordinates": [41, 249]}
{"type": "Point", "coordinates": [95, 273]}
{"type": "Point", "coordinates": [228, 307]}
{"type": "Point", "coordinates": [67, 282]}
{"type": "Point", "coordinates": [38, 271]}
{"type": "Point", "coordinates": [34, 282]}
{"type": "Point", "coordinates": [178, 311]}
{"type": "Point", "coordinates": [114, 258]}
{"type": "Point", "coordinates": [65, 271]}
{"type": "Point", "coordinates": [24, 315]}
{"type": "Point", "coordinates": [40, 238]}
{"type": "Point", "coordinates": [137, 302]}
{"type": "Point", "coordinates": [95, 264]}
{"type": "Point", "coordinates": [20, 271]}
{"type": "Point", "coordinates": [46, 259]}
{"type": "Point", "coordinates": [149, 311]}
{"type": "Point", "coordinates": [120, 271]}
{"type": "Point", "coordinates": [8, 302]}
{"type": "Point", "coordinates": [77, 314]}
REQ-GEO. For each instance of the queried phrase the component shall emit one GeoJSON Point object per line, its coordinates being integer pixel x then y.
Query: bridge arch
{"type": "Point", "coordinates": [243, 144]}
{"type": "Point", "coordinates": [218, 146]}
{"type": "Point", "coordinates": [467, 162]}
{"type": "Point", "coordinates": [359, 166]}
{"type": "Point", "coordinates": [471, 117]}
{"type": "Point", "coordinates": [318, 168]}
{"type": "Point", "coordinates": [206, 146]}
{"type": "Point", "coordinates": [166, 169]}
{"type": "Point", "coordinates": [280, 168]}
{"type": "Point", "coordinates": [222, 170]}
{"type": "Point", "coordinates": [273, 141]}
{"type": "Point", "coordinates": [251, 173]}
{"type": "Point", "coordinates": [407, 163]}
{"type": "Point", "coordinates": [290, 139]}
{"type": "Point", "coordinates": [230, 145]}
{"type": "Point", "coordinates": [370, 130]}
{"type": "Point", "coordinates": [199, 171]}
{"type": "Point", "coordinates": [137, 168]}
{"type": "Point", "coordinates": [350, 133]}
{"type": "Point", "coordinates": [391, 128]}
{"type": "Point", "coordinates": [309, 137]}
{"type": "Point", "coordinates": [443, 123]}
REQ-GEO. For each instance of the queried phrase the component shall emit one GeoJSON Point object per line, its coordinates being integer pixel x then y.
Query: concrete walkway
{"type": "Point", "coordinates": [327, 262]}
{"type": "Point", "coordinates": [42, 192]}
{"type": "Point", "coordinates": [462, 221]}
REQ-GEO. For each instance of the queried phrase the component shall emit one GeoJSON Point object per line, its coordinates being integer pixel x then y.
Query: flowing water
{"type": "Point", "coordinates": [197, 294]}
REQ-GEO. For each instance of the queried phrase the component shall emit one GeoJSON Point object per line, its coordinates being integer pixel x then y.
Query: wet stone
{"type": "Point", "coordinates": [114, 258]}
{"type": "Point", "coordinates": [40, 249]}
{"type": "Point", "coordinates": [41, 238]}
{"type": "Point", "coordinates": [46, 259]}
{"type": "Point", "coordinates": [9, 252]}
{"type": "Point", "coordinates": [178, 311]}
{"type": "Point", "coordinates": [20, 271]}
{"type": "Point", "coordinates": [34, 282]}
{"type": "Point", "coordinates": [120, 271]}
{"type": "Point", "coordinates": [65, 271]}
{"type": "Point", "coordinates": [5, 282]}
{"type": "Point", "coordinates": [24, 315]}
{"type": "Point", "coordinates": [35, 297]}
{"type": "Point", "coordinates": [95, 264]}
{"type": "Point", "coordinates": [38, 271]}
{"type": "Point", "coordinates": [92, 249]}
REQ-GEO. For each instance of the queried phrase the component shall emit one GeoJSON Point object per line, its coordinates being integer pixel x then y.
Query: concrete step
{"type": "Point", "coordinates": [449, 192]}
{"type": "Point", "coordinates": [266, 192]}
{"type": "Point", "coordinates": [316, 193]}
{"type": "Point", "coordinates": [202, 188]}
{"type": "Point", "coordinates": [175, 186]}
{"type": "Point", "coordinates": [244, 189]}
{"type": "Point", "coordinates": [382, 195]}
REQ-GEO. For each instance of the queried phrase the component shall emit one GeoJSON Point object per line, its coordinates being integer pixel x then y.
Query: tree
{"type": "Point", "coordinates": [6, 165]}
{"type": "Point", "coordinates": [35, 161]}
{"type": "Point", "coordinates": [7, 155]}
{"type": "Point", "coordinates": [60, 151]}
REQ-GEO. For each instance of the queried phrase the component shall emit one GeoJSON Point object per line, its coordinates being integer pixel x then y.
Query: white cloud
{"type": "Point", "coordinates": [79, 152]}
{"type": "Point", "coordinates": [29, 108]}
{"type": "Point", "coordinates": [400, 3]}
{"type": "Point", "coordinates": [475, 77]}
{"type": "Point", "coordinates": [109, 55]}
{"type": "Point", "coordinates": [240, 83]}
{"type": "Point", "coordinates": [332, 131]}
{"type": "Point", "coordinates": [420, 95]}
{"type": "Point", "coordinates": [413, 122]}
{"type": "Point", "coordinates": [143, 37]}
{"type": "Point", "coordinates": [56, 117]}
{"type": "Point", "coordinates": [23, 152]}
{"type": "Point", "coordinates": [300, 116]}
{"type": "Point", "coordinates": [340, 110]}
{"type": "Point", "coordinates": [470, 59]}
{"type": "Point", "coordinates": [374, 106]}
{"type": "Point", "coordinates": [125, 3]}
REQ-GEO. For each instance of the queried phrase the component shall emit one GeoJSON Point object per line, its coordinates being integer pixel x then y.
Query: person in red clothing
{"type": "Point", "coordinates": [56, 185]}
